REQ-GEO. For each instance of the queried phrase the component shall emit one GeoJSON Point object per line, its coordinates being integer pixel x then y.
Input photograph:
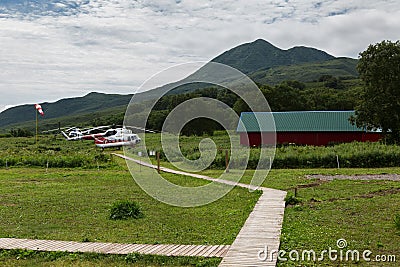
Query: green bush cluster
{"type": "Point", "coordinates": [292, 200]}
{"type": "Point", "coordinates": [52, 153]}
{"type": "Point", "coordinates": [125, 209]}
{"type": "Point", "coordinates": [73, 161]}
{"type": "Point", "coordinates": [348, 155]}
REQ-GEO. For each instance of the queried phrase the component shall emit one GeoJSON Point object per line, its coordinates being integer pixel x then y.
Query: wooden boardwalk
{"type": "Point", "coordinates": [114, 248]}
{"type": "Point", "coordinates": [260, 235]}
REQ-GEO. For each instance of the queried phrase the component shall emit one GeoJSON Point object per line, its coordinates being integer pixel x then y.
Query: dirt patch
{"type": "Point", "coordinates": [316, 183]}
{"type": "Point", "coordinates": [365, 177]}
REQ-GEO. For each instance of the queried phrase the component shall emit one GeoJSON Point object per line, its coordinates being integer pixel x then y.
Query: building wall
{"type": "Point", "coordinates": [307, 138]}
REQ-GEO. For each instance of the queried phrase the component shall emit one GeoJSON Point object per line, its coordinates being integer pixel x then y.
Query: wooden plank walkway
{"type": "Point", "coordinates": [114, 248]}
{"type": "Point", "coordinates": [260, 235]}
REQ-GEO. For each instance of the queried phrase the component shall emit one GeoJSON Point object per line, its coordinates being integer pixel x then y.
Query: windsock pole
{"type": "Point", "coordinates": [38, 109]}
{"type": "Point", "coordinates": [36, 135]}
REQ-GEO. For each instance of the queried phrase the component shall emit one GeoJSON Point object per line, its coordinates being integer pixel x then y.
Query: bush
{"type": "Point", "coordinates": [292, 200]}
{"type": "Point", "coordinates": [123, 210]}
{"type": "Point", "coordinates": [397, 221]}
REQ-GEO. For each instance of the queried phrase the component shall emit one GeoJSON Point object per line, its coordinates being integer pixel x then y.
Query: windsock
{"type": "Point", "coordinates": [39, 109]}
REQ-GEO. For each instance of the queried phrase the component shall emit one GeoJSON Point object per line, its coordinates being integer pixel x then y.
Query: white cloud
{"type": "Point", "coordinates": [58, 49]}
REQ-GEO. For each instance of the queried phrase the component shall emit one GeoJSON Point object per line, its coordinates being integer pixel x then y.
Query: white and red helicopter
{"type": "Point", "coordinates": [114, 137]}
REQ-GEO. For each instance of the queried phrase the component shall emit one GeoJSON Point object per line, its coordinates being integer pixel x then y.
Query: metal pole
{"type": "Point", "coordinates": [36, 126]}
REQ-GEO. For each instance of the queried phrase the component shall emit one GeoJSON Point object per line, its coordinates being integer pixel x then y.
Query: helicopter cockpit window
{"type": "Point", "coordinates": [109, 133]}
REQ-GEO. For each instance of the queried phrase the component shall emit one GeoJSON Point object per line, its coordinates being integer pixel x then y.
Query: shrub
{"type": "Point", "coordinates": [123, 210]}
{"type": "Point", "coordinates": [291, 200]}
{"type": "Point", "coordinates": [397, 221]}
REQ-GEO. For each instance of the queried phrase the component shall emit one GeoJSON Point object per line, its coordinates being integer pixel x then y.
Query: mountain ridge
{"type": "Point", "coordinates": [262, 55]}
{"type": "Point", "coordinates": [260, 60]}
{"type": "Point", "coordinates": [88, 103]}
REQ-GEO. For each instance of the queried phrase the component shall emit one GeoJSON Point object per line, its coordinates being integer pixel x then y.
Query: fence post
{"type": "Point", "coordinates": [337, 160]}
{"type": "Point", "coordinates": [226, 160]}
{"type": "Point", "coordinates": [158, 161]}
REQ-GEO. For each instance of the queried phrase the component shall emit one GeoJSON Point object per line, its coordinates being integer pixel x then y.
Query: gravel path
{"type": "Point", "coordinates": [366, 177]}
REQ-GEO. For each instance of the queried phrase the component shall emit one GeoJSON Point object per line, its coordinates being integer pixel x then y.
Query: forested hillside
{"type": "Point", "coordinates": [327, 93]}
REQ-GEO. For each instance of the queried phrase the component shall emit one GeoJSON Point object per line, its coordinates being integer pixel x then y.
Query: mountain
{"type": "Point", "coordinates": [260, 60]}
{"type": "Point", "coordinates": [262, 55]}
{"type": "Point", "coordinates": [265, 63]}
{"type": "Point", "coordinates": [87, 104]}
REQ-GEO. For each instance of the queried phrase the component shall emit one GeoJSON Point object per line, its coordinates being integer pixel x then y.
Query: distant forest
{"type": "Point", "coordinates": [327, 93]}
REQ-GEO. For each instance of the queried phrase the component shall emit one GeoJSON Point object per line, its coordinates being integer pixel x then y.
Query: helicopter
{"type": "Point", "coordinates": [74, 133]}
{"type": "Point", "coordinates": [116, 138]}
{"type": "Point", "coordinates": [113, 137]}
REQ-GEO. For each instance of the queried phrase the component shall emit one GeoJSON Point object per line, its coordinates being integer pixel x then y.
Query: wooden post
{"type": "Point", "coordinates": [158, 161]}
{"type": "Point", "coordinates": [295, 192]}
{"type": "Point", "coordinates": [226, 160]}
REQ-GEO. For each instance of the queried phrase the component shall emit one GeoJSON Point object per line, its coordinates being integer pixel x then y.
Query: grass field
{"type": "Point", "coordinates": [73, 204]}
{"type": "Point", "coordinates": [24, 258]}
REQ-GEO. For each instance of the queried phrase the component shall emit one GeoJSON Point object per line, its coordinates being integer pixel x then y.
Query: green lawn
{"type": "Point", "coordinates": [74, 203]}
{"type": "Point", "coordinates": [59, 259]}
{"type": "Point", "coordinates": [361, 212]}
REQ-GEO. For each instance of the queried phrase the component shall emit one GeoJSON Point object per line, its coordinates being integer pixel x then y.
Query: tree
{"type": "Point", "coordinates": [379, 108]}
{"type": "Point", "coordinates": [284, 98]}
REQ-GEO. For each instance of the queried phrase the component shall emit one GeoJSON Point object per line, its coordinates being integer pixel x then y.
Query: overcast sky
{"type": "Point", "coordinates": [55, 49]}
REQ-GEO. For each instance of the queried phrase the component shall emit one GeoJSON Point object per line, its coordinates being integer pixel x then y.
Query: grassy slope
{"type": "Point", "coordinates": [308, 72]}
